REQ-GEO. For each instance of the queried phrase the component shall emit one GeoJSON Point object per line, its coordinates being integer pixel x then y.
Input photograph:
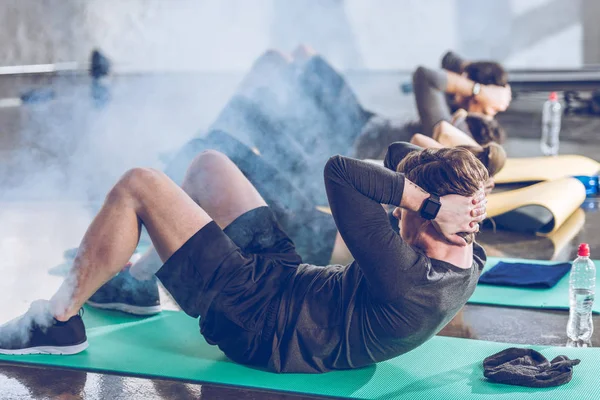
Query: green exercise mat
{"type": "Point", "coordinates": [169, 345]}
{"type": "Point", "coordinates": [553, 298]}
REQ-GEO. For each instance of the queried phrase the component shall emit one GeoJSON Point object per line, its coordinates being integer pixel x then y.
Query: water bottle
{"type": "Point", "coordinates": [582, 285]}
{"type": "Point", "coordinates": [551, 115]}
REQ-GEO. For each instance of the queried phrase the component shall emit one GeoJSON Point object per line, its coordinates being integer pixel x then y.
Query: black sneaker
{"type": "Point", "coordinates": [37, 332]}
{"type": "Point", "coordinates": [127, 294]}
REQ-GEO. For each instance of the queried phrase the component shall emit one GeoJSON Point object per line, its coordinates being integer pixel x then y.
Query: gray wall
{"type": "Point", "coordinates": [354, 34]}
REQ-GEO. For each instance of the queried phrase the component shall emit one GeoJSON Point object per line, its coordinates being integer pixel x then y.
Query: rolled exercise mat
{"type": "Point", "coordinates": [554, 298]}
{"type": "Point", "coordinates": [541, 208]}
{"type": "Point", "coordinates": [536, 169]}
{"type": "Point", "coordinates": [569, 229]}
{"type": "Point", "coordinates": [170, 346]}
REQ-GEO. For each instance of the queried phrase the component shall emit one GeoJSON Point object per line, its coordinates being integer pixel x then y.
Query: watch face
{"type": "Point", "coordinates": [431, 208]}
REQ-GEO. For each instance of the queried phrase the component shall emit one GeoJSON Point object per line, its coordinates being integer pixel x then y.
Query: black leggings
{"type": "Point", "coordinates": [319, 116]}
{"type": "Point", "coordinates": [379, 133]}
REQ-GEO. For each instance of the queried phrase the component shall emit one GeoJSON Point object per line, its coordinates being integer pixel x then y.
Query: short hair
{"type": "Point", "coordinates": [445, 171]}
{"type": "Point", "coordinates": [485, 130]}
{"type": "Point", "coordinates": [487, 73]}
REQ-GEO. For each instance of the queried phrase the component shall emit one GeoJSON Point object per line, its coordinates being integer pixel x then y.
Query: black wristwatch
{"type": "Point", "coordinates": [430, 207]}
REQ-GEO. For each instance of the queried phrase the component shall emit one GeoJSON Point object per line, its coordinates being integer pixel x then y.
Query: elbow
{"type": "Point", "coordinates": [391, 159]}
{"type": "Point", "coordinates": [424, 77]}
{"type": "Point", "coordinates": [334, 171]}
{"type": "Point", "coordinates": [452, 62]}
{"type": "Point", "coordinates": [446, 59]}
{"type": "Point", "coordinates": [419, 76]}
{"type": "Point", "coordinates": [333, 165]}
{"type": "Point", "coordinates": [416, 139]}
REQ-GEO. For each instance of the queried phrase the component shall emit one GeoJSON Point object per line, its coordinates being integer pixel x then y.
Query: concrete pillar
{"type": "Point", "coordinates": [590, 19]}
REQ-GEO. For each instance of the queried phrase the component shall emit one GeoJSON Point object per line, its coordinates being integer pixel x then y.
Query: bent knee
{"type": "Point", "coordinates": [205, 164]}
{"type": "Point", "coordinates": [136, 181]}
{"type": "Point", "coordinates": [208, 159]}
{"type": "Point", "coordinates": [140, 176]}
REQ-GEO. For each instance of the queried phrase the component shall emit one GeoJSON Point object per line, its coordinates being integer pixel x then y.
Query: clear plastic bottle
{"type": "Point", "coordinates": [582, 286]}
{"type": "Point", "coordinates": [551, 119]}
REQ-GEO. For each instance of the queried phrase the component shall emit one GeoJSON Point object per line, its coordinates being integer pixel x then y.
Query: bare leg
{"type": "Point", "coordinates": [141, 196]}
{"type": "Point", "coordinates": [215, 183]}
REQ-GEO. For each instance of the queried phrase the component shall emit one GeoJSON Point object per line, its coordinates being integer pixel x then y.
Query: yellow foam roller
{"type": "Point", "coordinates": [535, 169]}
{"type": "Point", "coordinates": [560, 197]}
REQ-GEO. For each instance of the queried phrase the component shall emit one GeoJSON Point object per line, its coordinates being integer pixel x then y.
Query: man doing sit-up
{"type": "Point", "coordinates": [227, 261]}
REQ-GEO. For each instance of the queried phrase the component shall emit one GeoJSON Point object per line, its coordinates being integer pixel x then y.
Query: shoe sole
{"type": "Point", "coordinates": [56, 350]}
{"type": "Point", "coordinates": [127, 308]}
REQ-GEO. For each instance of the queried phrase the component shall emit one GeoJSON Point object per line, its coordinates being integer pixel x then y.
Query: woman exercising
{"type": "Point", "coordinates": [480, 90]}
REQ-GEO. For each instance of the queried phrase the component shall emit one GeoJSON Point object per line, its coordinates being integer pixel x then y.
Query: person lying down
{"type": "Point", "coordinates": [228, 261]}
{"type": "Point", "coordinates": [479, 90]}
{"type": "Point", "coordinates": [320, 111]}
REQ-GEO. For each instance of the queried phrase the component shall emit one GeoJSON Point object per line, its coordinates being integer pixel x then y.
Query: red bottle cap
{"type": "Point", "coordinates": [553, 96]}
{"type": "Point", "coordinates": [584, 250]}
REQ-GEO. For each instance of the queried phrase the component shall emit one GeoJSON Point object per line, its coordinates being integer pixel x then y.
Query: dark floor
{"type": "Point", "coordinates": [45, 157]}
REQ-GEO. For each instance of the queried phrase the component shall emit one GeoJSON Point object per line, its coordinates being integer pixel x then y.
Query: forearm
{"type": "Point", "coordinates": [425, 141]}
{"type": "Point", "coordinates": [450, 136]}
{"type": "Point", "coordinates": [374, 184]}
{"type": "Point", "coordinates": [458, 84]}
{"type": "Point", "coordinates": [413, 196]}
{"type": "Point", "coordinates": [377, 184]}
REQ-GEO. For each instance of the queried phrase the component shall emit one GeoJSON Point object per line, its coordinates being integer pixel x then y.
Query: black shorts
{"type": "Point", "coordinates": [233, 279]}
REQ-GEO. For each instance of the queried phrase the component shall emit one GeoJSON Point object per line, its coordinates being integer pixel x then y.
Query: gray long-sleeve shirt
{"type": "Point", "coordinates": [391, 299]}
{"type": "Point", "coordinates": [430, 86]}
{"type": "Point", "coordinates": [454, 63]}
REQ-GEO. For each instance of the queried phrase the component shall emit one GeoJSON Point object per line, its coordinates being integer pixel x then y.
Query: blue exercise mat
{"type": "Point", "coordinates": [553, 298]}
